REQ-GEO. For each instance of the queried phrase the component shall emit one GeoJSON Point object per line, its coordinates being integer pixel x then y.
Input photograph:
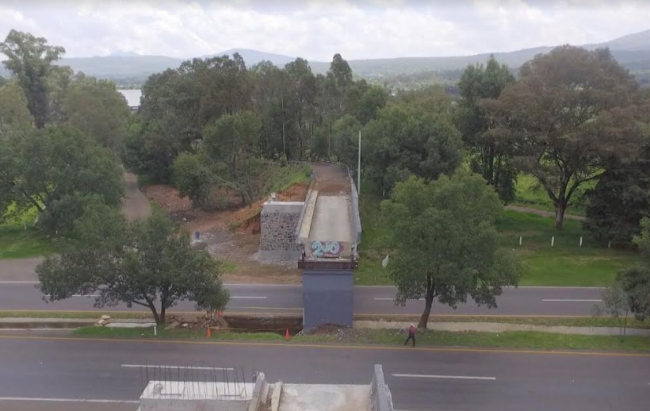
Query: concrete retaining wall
{"type": "Point", "coordinates": [327, 297]}
{"type": "Point", "coordinates": [278, 231]}
{"type": "Point", "coordinates": [380, 395]}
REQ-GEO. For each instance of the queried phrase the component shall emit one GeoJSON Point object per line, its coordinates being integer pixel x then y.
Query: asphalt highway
{"type": "Point", "coordinates": [420, 379]}
{"type": "Point", "coordinates": [549, 301]}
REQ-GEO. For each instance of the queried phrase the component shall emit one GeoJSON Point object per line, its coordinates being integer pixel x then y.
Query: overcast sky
{"type": "Point", "coordinates": [318, 29]}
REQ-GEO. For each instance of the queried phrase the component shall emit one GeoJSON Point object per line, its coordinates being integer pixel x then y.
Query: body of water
{"type": "Point", "coordinates": [132, 97]}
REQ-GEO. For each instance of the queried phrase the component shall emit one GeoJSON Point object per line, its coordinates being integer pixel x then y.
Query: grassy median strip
{"type": "Point", "coordinates": [545, 321]}
{"type": "Point", "coordinates": [513, 339]}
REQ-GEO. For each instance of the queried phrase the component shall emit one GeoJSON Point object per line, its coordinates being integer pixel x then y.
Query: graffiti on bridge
{"type": "Point", "coordinates": [327, 249]}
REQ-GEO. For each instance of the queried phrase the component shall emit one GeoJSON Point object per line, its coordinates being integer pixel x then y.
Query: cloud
{"type": "Point", "coordinates": [318, 29]}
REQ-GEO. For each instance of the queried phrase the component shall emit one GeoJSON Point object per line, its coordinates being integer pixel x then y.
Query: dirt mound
{"type": "Point", "coordinates": [328, 329]}
{"type": "Point", "coordinates": [167, 198]}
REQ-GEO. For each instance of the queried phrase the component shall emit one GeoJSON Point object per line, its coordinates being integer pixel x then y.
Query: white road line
{"type": "Point", "coordinates": [453, 377]}
{"type": "Point", "coordinates": [246, 297]}
{"type": "Point", "coordinates": [390, 299]}
{"type": "Point", "coordinates": [568, 300]}
{"type": "Point", "coordinates": [175, 367]}
{"type": "Point", "coordinates": [69, 400]}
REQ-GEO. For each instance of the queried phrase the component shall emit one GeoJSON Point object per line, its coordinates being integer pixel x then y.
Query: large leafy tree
{"type": "Point", "coordinates": [148, 263]}
{"type": "Point", "coordinates": [229, 142]}
{"type": "Point", "coordinates": [570, 113]}
{"type": "Point", "coordinates": [490, 156]}
{"type": "Point", "coordinates": [14, 114]}
{"type": "Point", "coordinates": [54, 170]}
{"type": "Point", "coordinates": [98, 109]}
{"type": "Point", "coordinates": [30, 60]}
{"type": "Point", "coordinates": [416, 137]}
{"type": "Point", "coordinates": [622, 196]}
{"type": "Point", "coordinates": [444, 242]}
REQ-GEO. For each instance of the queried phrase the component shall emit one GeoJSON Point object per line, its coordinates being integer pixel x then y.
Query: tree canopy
{"type": "Point", "coordinates": [148, 263]}
{"type": "Point", "coordinates": [14, 114]}
{"type": "Point", "coordinates": [50, 167]}
{"type": "Point", "coordinates": [490, 156]}
{"type": "Point", "coordinates": [30, 59]}
{"type": "Point", "coordinates": [97, 109]}
{"type": "Point", "coordinates": [444, 242]}
{"type": "Point", "coordinates": [571, 112]}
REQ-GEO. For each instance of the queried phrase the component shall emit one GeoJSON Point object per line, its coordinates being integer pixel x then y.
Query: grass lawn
{"type": "Point", "coordinates": [20, 243]}
{"type": "Point", "coordinates": [528, 193]}
{"type": "Point", "coordinates": [19, 239]}
{"type": "Point", "coordinates": [547, 321]}
{"type": "Point", "coordinates": [564, 264]}
{"type": "Point", "coordinates": [514, 339]}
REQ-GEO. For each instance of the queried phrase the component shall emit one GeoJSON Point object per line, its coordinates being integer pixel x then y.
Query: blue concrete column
{"type": "Point", "coordinates": [327, 297]}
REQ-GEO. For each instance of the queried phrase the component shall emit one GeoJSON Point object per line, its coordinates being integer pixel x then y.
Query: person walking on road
{"type": "Point", "coordinates": [411, 337]}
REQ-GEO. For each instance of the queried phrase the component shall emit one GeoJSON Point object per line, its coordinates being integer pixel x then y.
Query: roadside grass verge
{"type": "Point", "coordinates": [513, 339]}
{"type": "Point", "coordinates": [541, 320]}
{"type": "Point", "coordinates": [566, 263]}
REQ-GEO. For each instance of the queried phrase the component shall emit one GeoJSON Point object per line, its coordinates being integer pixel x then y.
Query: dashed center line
{"type": "Point", "coordinates": [453, 377]}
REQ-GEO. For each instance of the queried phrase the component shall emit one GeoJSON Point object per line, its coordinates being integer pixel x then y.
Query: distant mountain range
{"type": "Point", "coordinates": [632, 51]}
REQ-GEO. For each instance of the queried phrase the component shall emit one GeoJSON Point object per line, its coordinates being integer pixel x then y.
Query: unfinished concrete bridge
{"type": "Point", "coordinates": [322, 234]}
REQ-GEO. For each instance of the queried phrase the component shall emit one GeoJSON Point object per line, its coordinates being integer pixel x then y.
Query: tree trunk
{"type": "Point", "coordinates": [424, 318]}
{"type": "Point", "coordinates": [162, 314]}
{"type": "Point", "coordinates": [156, 317]}
{"type": "Point", "coordinates": [560, 208]}
{"type": "Point", "coordinates": [428, 302]}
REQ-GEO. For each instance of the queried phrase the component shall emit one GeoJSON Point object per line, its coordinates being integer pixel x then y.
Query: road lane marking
{"type": "Point", "coordinates": [569, 300]}
{"type": "Point", "coordinates": [86, 295]}
{"type": "Point", "coordinates": [246, 297]}
{"type": "Point", "coordinates": [19, 282]}
{"type": "Point", "coordinates": [453, 377]}
{"type": "Point", "coordinates": [69, 400]}
{"type": "Point", "coordinates": [328, 346]}
{"type": "Point", "coordinates": [392, 299]}
{"type": "Point", "coordinates": [175, 367]}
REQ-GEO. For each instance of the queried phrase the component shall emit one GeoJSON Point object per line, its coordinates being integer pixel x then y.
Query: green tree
{"type": "Point", "coordinates": [444, 242]}
{"type": "Point", "coordinates": [571, 112]}
{"type": "Point", "coordinates": [404, 140]}
{"type": "Point", "coordinates": [372, 100]}
{"type": "Point", "coordinates": [56, 166]}
{"type": "Point", "coordinates": [346, 140]}
{"type": "Point", "coordinates": [230, 142]}
{"type": "Point", "coordinates": [14, 114]}
{"type": "Point", "coordinates": [622, 196]}
{"type": "Point", "coordinates": [490, 157]}
{"type": "Point", "coordinates": [194, 178]}
{"type": "Point", "coordinates": [149, 151]}
{"type": "Point", "coordinates": [30, 59]}
{"type": "Point", "coordinates": [97, 109]}
{"type": "Point", "coordinates": [57, 82]}
{"type": "Point", "coordinates": [149, 263]}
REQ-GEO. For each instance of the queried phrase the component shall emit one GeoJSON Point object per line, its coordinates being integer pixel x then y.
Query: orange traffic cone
{"type": "Point", "coordinates": [208, 333]}
{"type": "Point", "coordinates": [286, 335]}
